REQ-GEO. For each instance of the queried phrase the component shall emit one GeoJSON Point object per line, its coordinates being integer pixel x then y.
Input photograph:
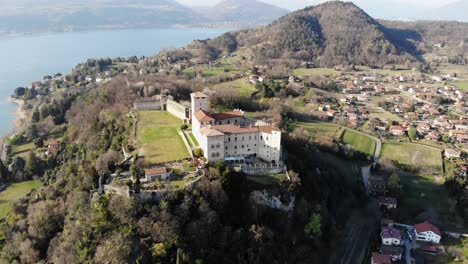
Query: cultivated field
{"type": "Point", "coordinates": [158, 137]}
{"type": "Point", "coordinates": [14, 193]}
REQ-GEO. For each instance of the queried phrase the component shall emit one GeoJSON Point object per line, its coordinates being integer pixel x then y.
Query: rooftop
{"type": "Point", "coordinates": [154, 171]}
{"type": "Point", "coordinates": [199, 95]}
{"type": "Point", "coordinates": [380, 259]}
{"type": "Point", "coordinates": [390, 232]}
{"type": "Point", "coordinates": [426, 226]}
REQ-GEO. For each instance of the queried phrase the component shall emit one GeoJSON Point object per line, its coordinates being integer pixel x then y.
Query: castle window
{"type": "Point", "coordinates": [261, 137]}
{"type": "Point", "coordinates": [229, 122]}
{"type": "Point", "coordinates": [235, 147]}
{"type": "Point", "coordinates": [226, 148]}
{"type": "Point", "coordinates": [229, 139]}
{"type": "Point", "coordinates": [235, 139]}
{"type": "Point", "coordinates": [242, 146]}
{"type": "Point", "coordinates": [235, 121]}
{"type": "Point", "coordinates": [242, 138]}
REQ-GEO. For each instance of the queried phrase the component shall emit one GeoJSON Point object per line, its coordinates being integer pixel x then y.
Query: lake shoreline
{"type": "Point", "coordinates": [20, 113]}
{"type": "Point", "coordinates": [54, 53]}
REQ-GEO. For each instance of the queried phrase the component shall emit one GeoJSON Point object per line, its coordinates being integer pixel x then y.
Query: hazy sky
{"type": "Point", "coordinates": [296, 4]}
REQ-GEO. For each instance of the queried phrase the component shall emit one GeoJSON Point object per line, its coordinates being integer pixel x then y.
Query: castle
{"type": "Point", "coordinates": [231, 136]}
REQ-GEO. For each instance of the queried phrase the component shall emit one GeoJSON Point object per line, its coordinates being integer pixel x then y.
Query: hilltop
{"type": "Point", "coordinates": [328, 34]}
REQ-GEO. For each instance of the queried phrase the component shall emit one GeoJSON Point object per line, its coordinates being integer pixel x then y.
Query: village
{"type": "Point", "coordinates": [416, 120]}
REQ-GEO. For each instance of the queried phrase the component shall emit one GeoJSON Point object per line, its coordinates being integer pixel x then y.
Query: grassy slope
{"type": "Point", "coordinates": [194, 140]}
{"type": "Point", "coordinates": [14, 193]}
{"type": "Point", "coordinates": [410, 154]}
{"type": "Point", "coordinates": [322, 133]}
{"type": "Point", "coordinates": [239, 85]}
{"type": "Point", "coordinates": [359, 142]}
{"type": "Point", "coordinates": [158, 137]}
{"type": "Point", "coordinates": [18, 149]}
{"type": "Point", "coordinates": [424, 192]}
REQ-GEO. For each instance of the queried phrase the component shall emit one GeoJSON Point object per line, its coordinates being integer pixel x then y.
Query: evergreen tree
{"type": "Point", "coordinates": [35, 116]}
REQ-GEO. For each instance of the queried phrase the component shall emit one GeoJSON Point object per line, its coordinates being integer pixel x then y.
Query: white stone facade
{"type": "Point", "coordinates": [227, 135]}
{"type": "Point", "coordinates": [428, 236]}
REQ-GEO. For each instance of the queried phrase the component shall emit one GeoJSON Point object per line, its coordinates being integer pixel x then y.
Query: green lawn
{"type": "Point", "coordinates": [157, 134]}
{"type": "Point", "coordinates": [194, 140]}
{"type": "Point", "coordinates": [314, 71]}
{"type": "Point", "coordinates": [19, 149]}
{"type": "Point", "coordinates": [14, 193]}
{"type": "Point", "coordinates": [359, 142]}
{"type": "Point", "coordinates": [428, 159]}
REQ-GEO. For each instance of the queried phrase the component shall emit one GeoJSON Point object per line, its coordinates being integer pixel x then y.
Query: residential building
{"type": "Point", "coordinates": [390, 236]}
{"type": "Point", "coordinates": [397, 131]}
{"type": "Point", "coordinates": [428, 232]}
{"type": "Point", "coordinates": [452, 154]}
{"type": "Point", "coordinates": [378, 258]}
{"type": "Point", "coordinates": [224, 136]}
{"type": "Point", "coordinates": [53, 147]}
{"type": "Point", "coordinates": [161, 173]}
{"type": "Point", "coordinates": [395, 253]}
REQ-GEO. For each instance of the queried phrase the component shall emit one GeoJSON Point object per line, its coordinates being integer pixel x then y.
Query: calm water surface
{"type": "Point", "coordinates": [26, 59]}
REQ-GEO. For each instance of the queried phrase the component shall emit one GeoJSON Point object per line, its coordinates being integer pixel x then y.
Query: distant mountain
{"type": "Point", "coordinates": [244, 11]}
{"type": "Point", "coordinates": [61, 15]}
{"type": "Point", "coordinates": [37, 16]}
{"type": "Point", "coordinates": [327, 34]}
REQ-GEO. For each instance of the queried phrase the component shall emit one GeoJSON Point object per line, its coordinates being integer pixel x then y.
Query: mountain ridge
{"type": "Point", "coordinates": [327, 34]}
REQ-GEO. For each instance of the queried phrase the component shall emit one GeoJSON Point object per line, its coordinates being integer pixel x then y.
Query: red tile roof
{"type": "Point", "coordinates": [429, 248]}
{"type": "Point", "coordinates": [381, 259]}
{"type": "Point", "coordinates": [156, 171]}
{"type": "Point", "coordinates": [220, 130]}
{"type": "Point", "coordinates": [426, 226]}
{"type": "Point", "coordinates": [204, 116]}
{"type": "Point", "coordinates": [199, 95]}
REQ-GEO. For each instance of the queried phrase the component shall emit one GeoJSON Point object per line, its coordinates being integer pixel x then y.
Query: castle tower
{"type": "Point", "coordinates": [200, 101]}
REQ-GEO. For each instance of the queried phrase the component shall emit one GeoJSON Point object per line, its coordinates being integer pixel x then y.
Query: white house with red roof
{"type": "Point", "coordinates": [224, 136]}
{"type": "Point", "coordinates": [153, 174]}
{"type": "Point", "coordinates": [390, 236]}
{"type": "Point", "coordinates": [428, 232]}
{"type": "Point", "coordinates": [397, 131]}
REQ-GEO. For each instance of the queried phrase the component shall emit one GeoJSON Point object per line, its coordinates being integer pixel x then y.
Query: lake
{"type": "Point", "coordinates": [29, 58]}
